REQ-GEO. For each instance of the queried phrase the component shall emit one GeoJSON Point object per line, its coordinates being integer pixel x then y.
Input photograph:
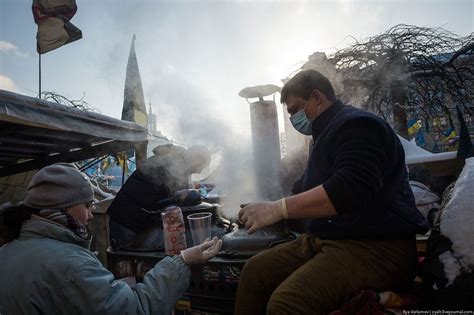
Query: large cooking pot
{"type": "Point", "coordinates": [240, 244]}
{"type": "Point", "coordinates": [236, 241]}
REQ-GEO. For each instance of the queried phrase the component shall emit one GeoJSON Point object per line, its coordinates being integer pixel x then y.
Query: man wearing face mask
{"type": "Point", "coordinates": [158, 178]}
{"type": "Point", "coordinates": [362, 218]}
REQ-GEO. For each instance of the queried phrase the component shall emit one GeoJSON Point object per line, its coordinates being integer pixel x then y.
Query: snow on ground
{"type": "Point", "coordinates": [457, 223]}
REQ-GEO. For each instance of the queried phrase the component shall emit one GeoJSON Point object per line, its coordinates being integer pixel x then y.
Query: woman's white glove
{"type": "Point", "coordinates": [201, 253]}
{"type": "Point", "coordinates": [261, 214]}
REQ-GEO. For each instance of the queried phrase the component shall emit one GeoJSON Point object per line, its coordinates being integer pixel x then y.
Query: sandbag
{"type": "Point", "coordinates": [457, 220]}
{"type": "Point", "coordinates": [448, 277]}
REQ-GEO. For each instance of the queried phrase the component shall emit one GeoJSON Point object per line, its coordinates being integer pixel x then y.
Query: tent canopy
{"type": "Point", "coordinates": [439, 164]}
{"type": "Point", "coordinates": [414, 154]}
{"type": "Point", "coordinates": [35, 133]}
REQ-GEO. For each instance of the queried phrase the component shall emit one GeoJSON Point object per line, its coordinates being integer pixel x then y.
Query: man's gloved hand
{"type": "Point", "coordinates": [260, 214]}
{"type": "Point", "coordinates": [201, 253]}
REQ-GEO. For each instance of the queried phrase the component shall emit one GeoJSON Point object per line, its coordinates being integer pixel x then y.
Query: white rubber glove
{"type": "Point", "coordinates": [201, 253]}
{"type": "Point", "coordinates": [261, 214]}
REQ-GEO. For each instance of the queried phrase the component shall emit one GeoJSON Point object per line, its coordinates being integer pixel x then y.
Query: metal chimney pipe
{"type": "Point", "coordinates": [265, 139]}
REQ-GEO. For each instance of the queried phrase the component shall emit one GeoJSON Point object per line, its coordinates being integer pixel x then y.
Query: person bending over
{"type": "Point", "coordinates": [159, 178]}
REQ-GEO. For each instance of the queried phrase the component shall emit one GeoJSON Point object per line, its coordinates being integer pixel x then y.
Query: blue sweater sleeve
{"type": "Point", "coordinates": [359, 155]}
{"type": "Point", "coordinates": [93, 290]}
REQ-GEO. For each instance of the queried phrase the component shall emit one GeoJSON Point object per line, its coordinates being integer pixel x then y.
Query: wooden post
{"type": "Point", "coordinates": [39, 74]}
{"type": "Point", "coordinates": [140, 153]}
{"type": "Point", "coordinates": [398, 95]}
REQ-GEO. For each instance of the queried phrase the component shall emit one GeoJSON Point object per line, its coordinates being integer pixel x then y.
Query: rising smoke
{"type": "Point", "coordinates": [188, 116]}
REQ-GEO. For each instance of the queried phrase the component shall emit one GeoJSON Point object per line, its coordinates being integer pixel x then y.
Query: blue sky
{"type": "Point", "coordinates": [195, 56]}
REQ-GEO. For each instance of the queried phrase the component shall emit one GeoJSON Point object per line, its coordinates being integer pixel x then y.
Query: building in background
{"type": "Point", "coordinates": [155, 137]}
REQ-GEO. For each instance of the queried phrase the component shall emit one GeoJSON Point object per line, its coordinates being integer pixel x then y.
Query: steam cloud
{"type": "Point", "coordinates": [190, 119]}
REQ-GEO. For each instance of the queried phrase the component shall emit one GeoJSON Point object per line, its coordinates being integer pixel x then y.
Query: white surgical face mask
{"type": "Point", "coordinates": [302, 123]}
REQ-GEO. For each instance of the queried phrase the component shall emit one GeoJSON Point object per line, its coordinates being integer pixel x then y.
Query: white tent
{"type": "Point", "coordinates": [414, 154]}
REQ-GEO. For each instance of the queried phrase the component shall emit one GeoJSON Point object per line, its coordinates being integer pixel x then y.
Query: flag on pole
{"type": "Point", "coordinates": [413, 126]}
{"type": "Point", "coordinates": [54, 28]}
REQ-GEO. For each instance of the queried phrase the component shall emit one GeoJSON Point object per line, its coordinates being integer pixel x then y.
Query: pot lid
{"type": "Point", "coordinates": [203, 206]}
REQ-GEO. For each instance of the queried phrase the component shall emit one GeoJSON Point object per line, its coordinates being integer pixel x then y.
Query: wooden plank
{"type": "Point", "coordinates": [77, 155]}
{"type": "Point", "coordinates": [45, 144]}
{"type": "Point", "coordinates": [444, 168]}
{"type": "Point", "coordinates": [15, 149]}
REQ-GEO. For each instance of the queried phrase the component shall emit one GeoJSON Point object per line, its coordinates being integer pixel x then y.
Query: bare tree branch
{"type": "Point", "coordinates": [63, 100]}
{"type": "Point", "coordinates": [428, 70]}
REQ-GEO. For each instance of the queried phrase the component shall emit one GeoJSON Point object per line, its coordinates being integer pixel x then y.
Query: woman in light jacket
{"type": "Point", "coordinates": [47, 267]}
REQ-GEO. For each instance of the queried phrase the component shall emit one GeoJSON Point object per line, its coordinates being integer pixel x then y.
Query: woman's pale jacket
{"type": "Point", "coordinates": [49, 270]}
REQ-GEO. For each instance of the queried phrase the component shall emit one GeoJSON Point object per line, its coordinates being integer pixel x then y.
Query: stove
{"type": "Point", "coordinates": [213, 285]}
